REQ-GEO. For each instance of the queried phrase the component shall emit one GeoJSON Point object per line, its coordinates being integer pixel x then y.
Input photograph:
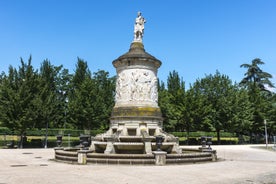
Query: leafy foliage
{"type": "Point", "coordinates": [256, 81]}
{"type": "Point", "coordinates": [51, 97]}
{"type": "Point", "coordinates": [91, 99]}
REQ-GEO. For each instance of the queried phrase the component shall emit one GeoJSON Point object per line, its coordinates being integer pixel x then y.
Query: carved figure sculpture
{"type": "Point", "coordinates": [139, 27]}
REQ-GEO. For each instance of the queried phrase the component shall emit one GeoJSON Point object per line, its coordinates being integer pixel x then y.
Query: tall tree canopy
{"type": "Point", "coordinates": [217, 91]}
{"type": "Point", "coordinates": [52, 97]}
{"type": "Point", "coordinates": [256, 82]}
{"type": "Point", "coordinates": [91, 99]}
{"type": "Point", "coordinates": [17, 98]}
{"type": "Point", "coordinates": [255, 78]}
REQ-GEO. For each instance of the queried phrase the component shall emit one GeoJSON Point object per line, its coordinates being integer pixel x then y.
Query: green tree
{"type": "Point", "coordinates": [255, 81]}
{"type": "Point", "coordinates": [106, 90]}
{"type": "Point", "coordinates": [18, 91]}
{"type": "Point", "coordinates": [46, 100]}
{"type": "Point", "coordinates": [82, 72]}
{"type": "Point", "coordinates": [93, 102]}
{"type": "Point", "coordinates": [176, 95]}
{"type": "Point", "coordinates": [91, 99]}
{"type": "Point", "coordinates": [255, 78]}
{"type": "Point", "coordinates": [217, 91]}
{"type": "Point", "coordinates": [242, 112]}
{"type": "Point", "coordinates": [84, 108]}
{"type": "Point", "coordinates": [175, 85]}
{"type": "Point", "coordinates": [197, 108]}
{"type": "Point", "coordinates": [271, 115]}
{"type": "Point", "coordinates": [165, 106]}
{"type": "Point", "coordinates": [63, 90]}
{"type": "Point", "coordinates": [78, 98]}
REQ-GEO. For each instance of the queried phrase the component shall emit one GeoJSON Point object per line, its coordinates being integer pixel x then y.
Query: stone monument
{"type": "Point", "coordinates": [135, 135]}
{"type": "Point", "coordinates": [136, 116]}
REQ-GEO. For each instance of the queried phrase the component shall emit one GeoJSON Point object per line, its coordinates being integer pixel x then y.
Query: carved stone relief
{"type": "Point", "coordinates": [136, 85]}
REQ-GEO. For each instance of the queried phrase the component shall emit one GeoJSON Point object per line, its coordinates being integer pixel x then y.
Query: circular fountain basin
{"type": "Point", "coordinates": [188, 156]}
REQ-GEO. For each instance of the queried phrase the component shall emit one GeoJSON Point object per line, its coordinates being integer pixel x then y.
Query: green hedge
{"type": "Point", "coordinates": [200, 133]}
{"type": "Point", "coordinates": [197, 141]}
{"type": "Point", "coordinates": [54, 132]}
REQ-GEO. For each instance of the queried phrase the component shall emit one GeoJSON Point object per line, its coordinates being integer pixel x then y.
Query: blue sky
{"type": "Point", "coordinates": [193, 37]}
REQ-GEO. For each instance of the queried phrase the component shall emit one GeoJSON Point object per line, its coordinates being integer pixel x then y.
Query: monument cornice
{"type": "Point", "coordinates": [136, 54]}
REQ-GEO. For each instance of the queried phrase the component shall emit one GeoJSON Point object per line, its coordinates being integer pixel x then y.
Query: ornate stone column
{"type": "Point", "coordinates": [136, 90]}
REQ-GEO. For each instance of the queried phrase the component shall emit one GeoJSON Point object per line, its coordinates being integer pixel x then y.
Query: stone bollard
{"type": "Point", "coordinates": [82, 156]}
{"type": "Point", "coordinates": [160, 157]}
{"type": "Point", "coordinates": [214, 155]}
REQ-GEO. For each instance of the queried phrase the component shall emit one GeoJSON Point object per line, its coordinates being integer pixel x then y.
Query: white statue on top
{"type": "Point", "coordinates": [139, 27]}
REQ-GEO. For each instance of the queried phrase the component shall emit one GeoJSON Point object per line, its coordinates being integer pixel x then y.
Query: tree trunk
{"type": "Point", "coordinates": [251, 138]}
{"type": "Point", "coordinates": [21, 141]}
{"type": "Point", "coordinates": [218, 136]}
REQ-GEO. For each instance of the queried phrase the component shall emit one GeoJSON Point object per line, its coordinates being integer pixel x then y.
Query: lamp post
{"type": "Point", "coordinates": [265, 133]}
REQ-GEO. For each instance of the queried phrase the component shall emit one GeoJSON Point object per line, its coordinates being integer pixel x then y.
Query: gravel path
{"type": "Point", "coordinates": [242, 164]}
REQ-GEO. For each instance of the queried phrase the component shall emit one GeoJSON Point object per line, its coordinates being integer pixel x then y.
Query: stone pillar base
{"type": "Point", "coordinates": [82, 156]}
{"type": "Point", "coordinates": [148, 149]}
{"type": "Point", "coordinates": [109, 148]}
{"type": "Point", "coordinates": [160, 157]}
{"type": "Point", "coordinates": [214, 156]}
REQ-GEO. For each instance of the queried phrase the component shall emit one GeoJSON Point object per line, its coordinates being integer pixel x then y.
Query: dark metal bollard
{"type": "Point", "coordinates": [159, 139]}
{"type": "Point", "coordinates": [59, 140]}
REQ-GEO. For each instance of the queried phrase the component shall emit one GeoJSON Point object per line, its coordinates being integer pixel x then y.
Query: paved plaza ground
{"type": "Point", "coordinates": [249, 164]}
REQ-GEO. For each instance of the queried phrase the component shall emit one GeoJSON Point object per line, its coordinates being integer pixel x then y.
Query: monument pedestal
{"type": "Point", "coordinates": [160, 157]}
